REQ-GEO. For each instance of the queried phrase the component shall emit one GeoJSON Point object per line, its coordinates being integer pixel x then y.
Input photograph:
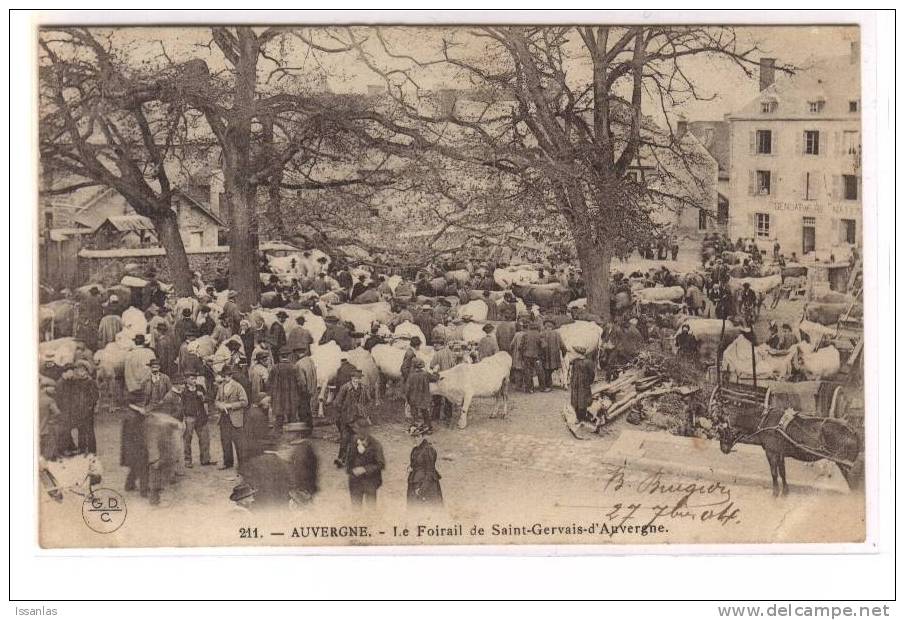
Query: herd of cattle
{"type": "Point", "coordinates": [676, 305]}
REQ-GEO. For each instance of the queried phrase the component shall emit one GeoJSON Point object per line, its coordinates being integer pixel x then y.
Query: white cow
{"type": "Point", "coordinates": [459, 276]}
{"type": "Point", "coordinates": [521, 274]}
{"type": "Point", "coordinates": [584, 334]}
{"type": "Point", "coordinates": [393, 282]}
{"type": "Point", "coordinates": [477, 310]}
{"type": "Point", "coordinates": [306, 264]}
{"type": "Point", "coordinates": [389, 359]}
{"type": "Point", "coordinates": [326, 358]}
{"type": "Point", "coordinates": [60, 351]}
{"type": "Point", "coordinates": [463, 382]}
{"type": "Point", "coordinates": [360, 316]}
{"type": "Point", "coordinates": [761, 286]}
{"type": "Point", "coordinates": [660, 293]}
{"type": "Point", "coordinates": [134, 321]}
{"type": "Point", "coordinates": [406, 331]}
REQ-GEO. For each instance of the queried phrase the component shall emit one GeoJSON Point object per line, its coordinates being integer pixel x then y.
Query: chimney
{"type": "Point", "coordinates": [855, 52]}
{"type": "Point", "coordinates": [767, 72]}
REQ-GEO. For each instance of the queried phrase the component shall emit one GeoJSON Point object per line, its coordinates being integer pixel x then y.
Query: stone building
{"type": "Point", "coordinates": [796, 160]}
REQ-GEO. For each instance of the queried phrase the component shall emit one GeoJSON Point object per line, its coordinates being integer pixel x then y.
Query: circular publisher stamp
{"type": "Point", "coordinates": [104, 510]}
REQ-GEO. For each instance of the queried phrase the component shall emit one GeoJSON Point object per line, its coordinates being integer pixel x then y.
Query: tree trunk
{"type": "Point", "coordinates": [243, 241]}
{"type": "Point", "coordinates": [594, 259]}
{"type": "Point", "coordinates": [168, 232]}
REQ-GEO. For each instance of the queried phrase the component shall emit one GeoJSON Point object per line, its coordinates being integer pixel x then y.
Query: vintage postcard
{"type": "Point", "coordinates": [477, 284]}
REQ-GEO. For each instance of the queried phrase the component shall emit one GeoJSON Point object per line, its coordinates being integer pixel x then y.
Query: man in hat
{"type": "Point", "coordinates": [221, 332]}
{"type": "Point", "coordinates": [364, 466]}
{"type": "Point", "coordinates": [408, 358]}
{"type": "Point", "coordinates": [358, 288]}
{"type": "Point", "coordinates": [155, 386]}
{"type": "Point", "coordinates": [787, 339]}
{"type": "Point", "coordinates": [531, 352]}
{"type": "Point", "coordinates": [76, 396]}
{"type": "Point", "coordinates": [136, 368]}
{"type": "Point", "coordinates": [418, 395]}
{"type": "Point", "coordinates": [194, 409]}
{"type": "Point", "coordinates": [91, 310]}
{"type": "Point", "coordinates": [488, 345]}
{"type": "Point", "coordinates": [259, 378]}
{"type": "Point", "coordinates": [320, 285]}
{"type": "Point", "coordinates": [686, 344]}
{"type": "Point", "coordinates": [552, 350]}
{"type": "Point", "coordinates": [425, 321]}
{"type": "Point", "coordinates": [306, 376]}
{"type": "Point", "coordinates": [284, 390]}
{"type": "Point", "coordinates": [108, 327]}
{"type": "Point", "coordinates": [134, 449]}
{"type": "Point", "coordinates": [493, 310]}
{"type": "Point", "coordinates": [299, 338]}
{"type": "Point", "coordinates": [350, 405]}
{"type": "Point", "coordinates": [183, 326]}
{"type": "Point", "coordinates": [231, 403]}
{"type": "Point", "coordinates": [581, 376]}
{"type": "Point", "coordinates": [440, 333]}
{"type": "Point", "coordinates": [373, 338]}
{"type": "Point", "coordinates": [243, 497]}
{"type": "Point", "coordinates": [338, 332]}
{"type": "Point", "coordinates": [52, 423]}
{"type": "Point", "coordinates": [276, 336]}
{"type": "Point", "coordinates": [423, 478]}
{"type": "Point", "coordinates": [165, 349]}
{"type": "Point", "coordinates": [204, 325]}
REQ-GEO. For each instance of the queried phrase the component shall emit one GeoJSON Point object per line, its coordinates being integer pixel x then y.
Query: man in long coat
{"type": "Point", "coordinates": [166, 350]}
{"type": "Point", "coordinates": [136, 368]}
{"type": "Point", "coordinates": [418, 394]}
{"type": "Point", "coordinates": [299, 338]}
{"type": "Point", "coordinates": [306, 376]}
{"type": "Point", "coordinates": [423, 477]}
{"type": "Point", "coordinates": [552, 350]}
{"type": "Point", "coordinates": [364, 466]}
{"type": "Point", "coordinates": [531, 351]}
{"type": "Point", "coordinates": [231, 403]}
{"type": "Point", "coordinates": [425, 321]}
{"type": "Point", "coordinates": [516, 375]}
{"type": "Point", "coordinates": [581, 375]}
{"type": "Point", "coordinates": [277, 333]}
{"type": "Point", "coordinates": [284, 390]}
{"type": "Point", "coordinates": [76, 397]}
{"type": "Point", "coordinates": [350, 407]}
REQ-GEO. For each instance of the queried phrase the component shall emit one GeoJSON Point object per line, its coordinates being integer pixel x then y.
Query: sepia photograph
{"type": "Point", "coordinates": [402, 285]}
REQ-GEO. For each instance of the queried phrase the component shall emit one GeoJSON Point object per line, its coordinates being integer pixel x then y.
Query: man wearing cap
{"type": "Point", "coordinates": [194, 409]}
{"type": "Point", "coordinates": [350, 405]}
{"type": "Point", "coordinates": [231, 312]}
{"type": "Point", "coordinates": [488, 345]}
{"type": "Point", "coordinates": [284, 390]}
{"type": "Point", "coordinates": [418, 394]}
{"type": "Point", "coordinates": [231, 402]}
{"type": "Point", "coordinates": [136, 369]}
{"type": "Point", "coordinates": [552, 350]}
{"type": "Point", "coordinates": [155, 386]}
{"type": "Point", "coordinates": [299, 337]}
{"type": "Point", "coordinates": [76, 397]}
{"type": "Point", "coordinates": [306, 375]}
{"type": "Point", "coordinates": [364, 466]}
{"type": "Point", "coordinates": [425, 321]}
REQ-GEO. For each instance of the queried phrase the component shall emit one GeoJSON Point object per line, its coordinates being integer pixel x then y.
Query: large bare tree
{"type": "Point", "coordinates": [568, 112]}
{"type": "Point", "coordinates": [103, 124]}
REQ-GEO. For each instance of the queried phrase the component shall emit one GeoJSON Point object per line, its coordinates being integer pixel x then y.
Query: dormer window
{"type": "Point", "coordinates": [816, 106]}
{"type": "Point", "coordinates": [768, 106]}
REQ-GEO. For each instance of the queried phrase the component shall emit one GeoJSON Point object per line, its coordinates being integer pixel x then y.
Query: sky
{"type": "Point", "coordinates": [796, 45]}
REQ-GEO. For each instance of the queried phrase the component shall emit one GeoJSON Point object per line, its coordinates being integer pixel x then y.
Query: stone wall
{"type": "Point", "coordinates": [108, 267]}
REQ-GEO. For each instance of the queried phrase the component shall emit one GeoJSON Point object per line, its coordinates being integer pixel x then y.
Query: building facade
{"type": "Point", "coordinates": [795, 154]}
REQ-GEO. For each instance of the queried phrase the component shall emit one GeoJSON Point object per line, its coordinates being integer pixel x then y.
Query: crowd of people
{"type": "Point", "coordinates": [262, 379]}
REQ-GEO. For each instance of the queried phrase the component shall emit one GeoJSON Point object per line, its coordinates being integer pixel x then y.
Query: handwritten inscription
{"type": "Point", "coordinates": [652, 500]}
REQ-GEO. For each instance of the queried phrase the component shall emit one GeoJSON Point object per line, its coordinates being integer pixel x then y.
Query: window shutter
{"type": "Point", "coordinates": [838, 146]}
{"type": "Point", "coordinates": [774, 139]}
{"type": "Point", "coordinates": [753, 218]}
{"type": "Point", "coordinates": [752, 142]}
{"type": "Point", "coordinates": [837, 187]}
{"type": "Point", "coordinates": [859, 187]}
{"type": "Point", "coordinates": [804, 186]}
{"type": "Point", "coordinates": [799, 143]}
{"type": "Point", "coordinates": [774, 183]}
{"type": "Point", "coordinates": [752, 176]}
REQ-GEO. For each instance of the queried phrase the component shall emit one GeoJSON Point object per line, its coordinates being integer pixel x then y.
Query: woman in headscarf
{"type": "Point", "coordinates": [423, 477]}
